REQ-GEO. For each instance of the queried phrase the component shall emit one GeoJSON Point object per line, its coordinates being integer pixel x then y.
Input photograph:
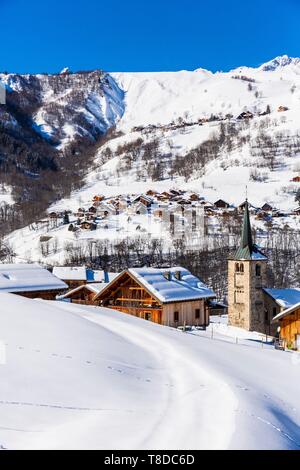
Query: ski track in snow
{"type": "Point", "coordinates": [157, 387]}
{"type": "Point", "coordinates": [287, 439]}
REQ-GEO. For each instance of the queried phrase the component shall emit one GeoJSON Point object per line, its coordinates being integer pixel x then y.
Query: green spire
{"type": "Point", "coordinates": [247, 249]}
{"type": "Point", "coordinates": [246, 233]}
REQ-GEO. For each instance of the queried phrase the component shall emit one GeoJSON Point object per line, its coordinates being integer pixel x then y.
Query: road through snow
{"type": "Point", "coordinates": [264, 383]}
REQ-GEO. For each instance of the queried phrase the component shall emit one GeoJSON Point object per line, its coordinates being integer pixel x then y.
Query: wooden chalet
{"type": "Point", "coordinates": [220, 204]}
{"type": "Point", "coordinates": [267, 207]}
{"type": "Point", "coordinates": [296, 211]}
{"type": "Point", "coordinates": [296, 179]}
{"type": "Point", "coordinates": [171, 296]}
{"type": "Point", "coordinates": [145, 200]}
{"type": "Point", "coordinates": [139, 209]}
{"type": "Point", "coordinates": [98, 198]}
{"type": "Point", "coordinates": [277, 301]}
{"type": "Point", "coordinates": [88, 225]}
{"type": "Point", "coordinates": [84, 294]}
{"type": "Point", "coordinates": [194, 197]}
{"type": "Point", "coordinates": [151, 193]}
{"type": "Point", "coordinates": [30, 280]}
{"type": "Point", "coordinates": [281, 109]}
{"type": "Point", "coordinates": [289, 322]}
{"type": "Point", "coordinates": [245, 115]}
{"type": "Point", "coordinates": [105, 210]}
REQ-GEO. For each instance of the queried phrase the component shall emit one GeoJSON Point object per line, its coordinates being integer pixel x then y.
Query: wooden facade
{"type": "Point", "coordinates": [40, 294]}
{"type": "Point", "coordinates": [126, 294]}
{"type": "Point", "coordinates": [290, 329]}
{"type": "Point", "coordinates": [83, 295]}
{"type": "Point", "coordinates": [73, 283]}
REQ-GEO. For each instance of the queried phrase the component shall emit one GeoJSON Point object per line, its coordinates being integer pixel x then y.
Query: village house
{"type": "Point", "coordinates": [175, 192]}
{"type": "Point", "coordinates": [98, 198]}
{"type": "Point", "coordinates": [245, 115]}
{"type": "Point", "coordinates": [165, 196]}
{"type": "Point", "coordinates": [84, 294]}
{"type": "Point", "coordinates": [282, 109]}
{"type": "Point", "coordinates": [145, 200]}
{"type": "Point", "coordinates": [88, 225]}
{"type": "Point", "coordinates": [151, 193]}
{"type": "Point", "coordinates": [278, 300]}
{"type": "Point", "coordinates": [30, 280]}
{"type": "Point", "coordinates": [105, 210]}
{"type": "Point", "coordinates": [194, 197]}
{"type": "Point", "coordinates": [296, 211]}
{"type": "Point", "coordinates": [267, 207]}
{"type": "Point", "coordinates": [158, 212]}
{"type": "Point", "coordinates": [296, 179]}
{"type": "Point", "coordinates": [80, 213]}
{"type": "Point", "coordinates": [170, 296]}
{"type": "Point", "coordinates": [289, 323]}
{"type": "Point", "coordinates": [220, 204]}
{"type": "Point", "coordinates": [121, 204]}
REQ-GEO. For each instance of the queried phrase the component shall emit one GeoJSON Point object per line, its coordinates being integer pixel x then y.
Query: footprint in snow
{"type": "Point", "coordinates": [243, 388]}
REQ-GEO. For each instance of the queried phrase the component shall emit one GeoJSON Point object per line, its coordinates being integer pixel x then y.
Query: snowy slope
{"type": "Point", "coordinates": [84, 377]}
{"type": "Point", "coordinates": [162, 100]}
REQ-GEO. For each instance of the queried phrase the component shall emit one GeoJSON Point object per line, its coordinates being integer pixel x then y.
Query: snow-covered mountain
{"type": "Point", "coordinates": [213, 133]}
{"type": "Point", "coordinates": [64, 106]}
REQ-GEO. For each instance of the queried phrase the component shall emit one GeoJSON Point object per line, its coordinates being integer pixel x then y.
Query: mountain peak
{"type": "Point", "coordinates": [279, 62]}
{"type": "Point", "coordinates": [65, 71]}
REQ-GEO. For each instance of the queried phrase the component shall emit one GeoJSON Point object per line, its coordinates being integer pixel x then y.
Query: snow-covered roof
{"type": "Point", "coordinates": [70, 273]}
{"type": "Point", "coordinates": [285, 297]}
{"type": "Point", "coordinates": [258, 255]}
{"type": "Point", "coordinates": [188, 288]}
{"type": "Point", "coordinates": [286, 312]}
{"type": "Point", "coordinates": [27, 278]}
{"type": "Point", "coordinates": [100, 276]}
{"type": "Point", "coordinates": [81, 273]}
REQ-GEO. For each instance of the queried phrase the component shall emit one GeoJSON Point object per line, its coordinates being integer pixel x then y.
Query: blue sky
{"type": "Point", "coordinates": [132, 35]}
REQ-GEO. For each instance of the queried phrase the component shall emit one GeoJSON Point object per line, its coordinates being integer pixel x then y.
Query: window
{"type": "Point", "coordinates": [274, 312]}
{"type": "Point", "coordinates": [241, 268]}
{"type": "Point", "coordinates": [237, 267]}
{"type": "Point", "coordinates": [258, 270]}
{"type": "Point", "coordinates": [197, 313]}
{"type": "Point", "coordinates": [239, 296]}
{"type": "Point", "coordinates": [176, 317]}
{"type": "Point", "coordinates": [266, 316]}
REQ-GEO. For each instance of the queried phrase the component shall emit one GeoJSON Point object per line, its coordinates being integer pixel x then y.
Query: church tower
{"type": "Point", "coordinates": [247, 275]}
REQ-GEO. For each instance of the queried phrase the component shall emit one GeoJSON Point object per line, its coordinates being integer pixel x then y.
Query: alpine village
{"type": "Point", "coordinates": [173, 296]}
